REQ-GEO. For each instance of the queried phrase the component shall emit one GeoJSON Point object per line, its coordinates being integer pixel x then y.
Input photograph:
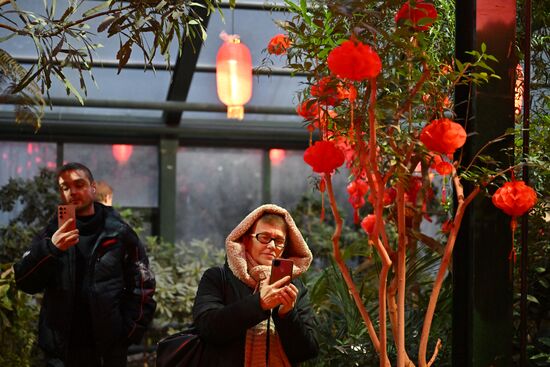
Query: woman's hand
{"type": "Point", "coordinates": [278, 293]}
{"type": "Point", "coordinates": [288, 295]}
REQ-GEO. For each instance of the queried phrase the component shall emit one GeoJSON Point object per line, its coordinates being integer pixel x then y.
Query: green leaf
{"type": "Point", "coordinates": [533, 299]}
{"type": "Point", "coordinates": [97, 8]}
{"type": "Point", "coordinates": [70, 87]}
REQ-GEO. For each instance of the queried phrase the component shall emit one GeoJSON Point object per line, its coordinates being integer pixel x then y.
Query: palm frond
{"type": "Point", "coordinates": [29, 101]}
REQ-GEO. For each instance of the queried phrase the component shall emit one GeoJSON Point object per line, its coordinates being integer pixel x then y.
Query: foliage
{"type": "Point", "coordinates": [177, 269]}
{"type": "Point", "coordinates": [63, 39]}
{"type": "Point", "coordinates": [386, 125]}
{"type": "Point", "coordinates": [538, 269]}
{"type": "Point", "coordinates": [341, 332]}
{"type": "Point", "coordinates": [18, 315]}
{"type": "Point", "coordinates": [36, 198]}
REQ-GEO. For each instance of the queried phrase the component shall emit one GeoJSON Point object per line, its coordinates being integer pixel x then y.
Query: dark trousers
{"type": "Point", "coordinates": [89, 357]}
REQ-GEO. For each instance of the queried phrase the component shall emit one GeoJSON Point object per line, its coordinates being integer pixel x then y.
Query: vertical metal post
{"type": "Point", "coordinates": [60, 153]}
{"type": "Point", "coordinates": [168, 149]}
{"type": "Point", "coordinates": [266, 177]}
{"type": "Point", "coordinates": [482, 282]}
{"type": "Point", "coordinates": [525, 175]}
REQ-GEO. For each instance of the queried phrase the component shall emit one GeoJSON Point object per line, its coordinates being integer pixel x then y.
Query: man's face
{"type": "Point", "coordinates": [75, 188]}
{"type": "Point", "coordinates": [264, 253]}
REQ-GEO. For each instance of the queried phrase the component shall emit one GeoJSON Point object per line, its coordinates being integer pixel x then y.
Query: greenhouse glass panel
{"type": "Point", "coordinates": [216, 189]}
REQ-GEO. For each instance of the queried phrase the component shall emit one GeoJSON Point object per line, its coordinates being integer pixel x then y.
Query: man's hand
{"type": "Point", "coordinates": [63, 239]}
{"type": "Point", "coordinates": [276, 294]}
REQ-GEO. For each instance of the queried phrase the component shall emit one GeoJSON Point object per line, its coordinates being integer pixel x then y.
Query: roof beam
{"type": "Point", "coordinates": [185, 68]}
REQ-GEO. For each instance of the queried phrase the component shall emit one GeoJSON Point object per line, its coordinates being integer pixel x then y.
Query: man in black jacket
{"type": "Point", "coordinates": [98, 288]}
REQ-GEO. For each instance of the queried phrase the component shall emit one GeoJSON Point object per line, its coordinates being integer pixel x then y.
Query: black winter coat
{"type": "Point", "coordinates": [120, 283]}
{"type": "Point", "coordinates": [223, 312]}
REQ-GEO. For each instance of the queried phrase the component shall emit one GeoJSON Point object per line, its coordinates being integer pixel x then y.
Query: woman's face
{"type": "Point", "coordinates": [263, 253]}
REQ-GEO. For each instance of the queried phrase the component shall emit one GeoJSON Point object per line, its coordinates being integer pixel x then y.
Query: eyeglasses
{"type": "Point", "coordinates": [266, 238]}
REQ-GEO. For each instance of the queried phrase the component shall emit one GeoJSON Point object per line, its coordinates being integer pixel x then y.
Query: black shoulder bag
{"type": "Point", "coordinates": [183, 348]}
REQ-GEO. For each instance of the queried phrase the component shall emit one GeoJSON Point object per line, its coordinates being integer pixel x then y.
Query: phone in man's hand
{"type": "Point", "coordinates": [64, 212]}
{"type": "Point", "coordinates": [280, 268]}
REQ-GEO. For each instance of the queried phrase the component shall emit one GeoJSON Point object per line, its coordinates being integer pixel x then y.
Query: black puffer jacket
{"type": "Point", "coordinates": [225, 308]}
{"type": "Point", "coordinates": [120, 283]}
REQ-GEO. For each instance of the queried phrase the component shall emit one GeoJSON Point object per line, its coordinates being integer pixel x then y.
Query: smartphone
{"type": "Point", "coordinates": [64, 212]}
{"type": "Point", "coordinates": [280, 268]}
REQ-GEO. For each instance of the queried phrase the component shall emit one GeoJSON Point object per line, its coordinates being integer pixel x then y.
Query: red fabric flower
{"type": "Point", "coordinates": [278, 44]}
{"type": "Point", "coordinates": [447, 226]}
{"type": "Point", "coordinates": [368, 223]}
{"type": "Point", "coordinates": [324, 157]}
{"type": "Point", "coordinates": [331, 92]}
{"type": "Point", "coordinates": [389, 196]}
{"type": "Point", "coordinates": [309, 109]}
{"type": "Point", "coordinates": [354, 61]}
{"type": "Point", "coordinates": [422, 15]}
{"type": "Point", "coordinates": [443, 136]}
{"type": "Point", "coordinates": [444, 168]}
{"type": "Point", "coordinates": [515, 198]}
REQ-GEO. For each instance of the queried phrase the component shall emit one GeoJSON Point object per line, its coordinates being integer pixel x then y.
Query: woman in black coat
{"type": "Point", "coordinates": [235, 305]}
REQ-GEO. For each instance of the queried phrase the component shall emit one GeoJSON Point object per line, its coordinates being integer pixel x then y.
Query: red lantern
{"type": "Point", "coordinates": [234, 75]}
{"type": "Point", "coordinates": [277, 156]}
{"type": "Point", "coordinates": [122, 152]}
{"type": "Point", "coordinates": [368, 223]}
{"type": "Point", "coordinates": [324, 157]}
{"type": "Point", "coordinates": [514, 198]}
{"type": "Point", "coordinates": [354, 60]}
{"type": "Point", "coordinates": [443, 136]}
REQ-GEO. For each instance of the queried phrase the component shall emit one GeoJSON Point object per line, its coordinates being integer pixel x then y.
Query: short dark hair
{"type": "Point", "coordinates": [73, 166]}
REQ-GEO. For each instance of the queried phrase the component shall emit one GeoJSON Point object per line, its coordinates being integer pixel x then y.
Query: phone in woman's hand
{"type": "Point", "coordinates": [280, 268]}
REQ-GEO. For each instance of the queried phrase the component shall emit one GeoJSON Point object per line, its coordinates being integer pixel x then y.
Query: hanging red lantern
{"type": "Point", "coordinates": [277, 156]}
{"type": "Point", "coordinates": [234, 75]}
{"type": "Point", "coordinates": [443, 136]}
{"type": "Point", "coordinates": [514, 198]}
{"type": "Point", "coordinates": [324, 157]}
{"type": "Point", "coordinates": [368, 223]}
{"type": "Point", "coordinates": [122, 152]}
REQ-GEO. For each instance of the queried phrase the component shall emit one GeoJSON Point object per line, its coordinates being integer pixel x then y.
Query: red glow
{"type": "Point", "coordinates": [122, 152]}
{"type": "Point", "coordinates": [277, 156]}
{"type": "Point", "coordinates": [29, 148]}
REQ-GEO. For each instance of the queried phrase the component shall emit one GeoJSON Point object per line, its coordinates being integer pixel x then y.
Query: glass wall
{"type": "Point", "coordinates": [131, 170]}
{"type": "Point", "coordinates": [216, 187]}
{"type": "Point", "coordinates": [23, 160]}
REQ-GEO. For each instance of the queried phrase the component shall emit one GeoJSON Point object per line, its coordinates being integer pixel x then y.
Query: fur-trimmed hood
{"type": "Point", "coordinates": [296, 248]}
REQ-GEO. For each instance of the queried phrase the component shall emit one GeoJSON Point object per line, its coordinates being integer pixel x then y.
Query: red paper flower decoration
{"type": "Point", "coordinates": [422, 15]}
{"type": "Point", "coordinates": [357, 189]}
{"type": "Point", "coordinates": [278, 44]}
{"type": "Point", "coordinates": [443, 136]}
{"type": "Point", "coordinates": [331, 92]}
{"type": "Point", "coordinates": [389, 196]}
{"type": "Point", "coordinates": [309, 110]}
{"type": "Point", "coordinates": [324, 157]}
{"type": "Point", "coordinates": [368, 223]}
{"type": "Point", "coordinates": [515, 198]}
{"type": "Point", "coordinates": [354, 61]}
{"type": "Point", "coordinates": [326, 91]}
